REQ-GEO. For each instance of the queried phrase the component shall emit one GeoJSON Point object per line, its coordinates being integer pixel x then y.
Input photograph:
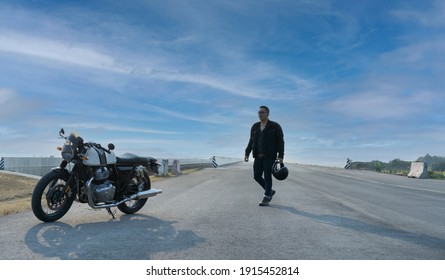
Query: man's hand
{"type": "Point", "coordinates": [246, 159]}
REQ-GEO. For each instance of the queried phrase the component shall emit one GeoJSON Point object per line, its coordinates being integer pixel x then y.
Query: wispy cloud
{"type": "Point", "coordinates": [115, 128]}
{"type": "Point", "coordinates": [431, 16]}
{"type": "Point", "coordinates": [13, 104]}
{"type": "Point", "coordinates": [416, 56]}
{"type": "Point", "coordinates": [54, 50]}
{"type": "Point", "coordinates": [10, 133]}
{"type": "Point", "coordinates": [383, 103]}
{"type": "Point", "coordinates": [85, 56]}
{"type": "Point", "coordinates": [210, 119]}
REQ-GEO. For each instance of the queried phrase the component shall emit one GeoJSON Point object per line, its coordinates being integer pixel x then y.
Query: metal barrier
{"type": "Point", "coordinates": [41, 165]}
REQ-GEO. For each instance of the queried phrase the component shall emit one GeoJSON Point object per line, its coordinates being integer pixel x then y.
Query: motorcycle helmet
{"type": "Point", "coordinates": [279, 171]}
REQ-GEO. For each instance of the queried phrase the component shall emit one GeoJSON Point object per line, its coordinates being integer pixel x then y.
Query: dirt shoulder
{"type": "Point", "coordinates": [15, 193]}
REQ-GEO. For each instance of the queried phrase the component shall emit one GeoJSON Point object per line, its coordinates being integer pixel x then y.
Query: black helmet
{"type": "Point", "coordinates": [280, 173]}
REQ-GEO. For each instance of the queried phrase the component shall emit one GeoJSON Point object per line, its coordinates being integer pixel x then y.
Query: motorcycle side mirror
{"type": "Point", "coordinates": [62, 133]}
{"type": "Point", "coordinates": [110, 146]}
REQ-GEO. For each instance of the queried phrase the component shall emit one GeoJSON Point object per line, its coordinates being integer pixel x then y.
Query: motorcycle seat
{"type": "Point", "coordinates": [130, 159]}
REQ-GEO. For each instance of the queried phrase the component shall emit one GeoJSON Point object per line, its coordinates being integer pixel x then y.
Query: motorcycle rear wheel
{"type": "Point", "coordinates": [48, 202]}
{"type": "Point", "coordinates": [138, 184]}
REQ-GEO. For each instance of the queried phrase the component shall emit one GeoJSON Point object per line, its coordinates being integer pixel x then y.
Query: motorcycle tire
{"type": "Point", "coordinates": [132, 206]}
{"type": "Point", "coordinates": [48, 203]}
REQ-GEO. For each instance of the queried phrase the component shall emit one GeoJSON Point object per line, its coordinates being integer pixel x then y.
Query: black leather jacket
{"type": "Point", "coordinates": [274, 140]}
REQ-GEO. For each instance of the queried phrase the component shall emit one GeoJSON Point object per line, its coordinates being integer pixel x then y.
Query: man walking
{"type": "Point", "coordinates": [267, 145]}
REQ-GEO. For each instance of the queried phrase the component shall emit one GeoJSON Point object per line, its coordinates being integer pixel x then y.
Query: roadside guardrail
{"type": "Point", "coordinates": [42, 165]}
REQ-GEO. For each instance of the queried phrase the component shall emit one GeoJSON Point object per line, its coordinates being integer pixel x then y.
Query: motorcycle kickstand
{"type": "Point", "coordinates": [111, 212]}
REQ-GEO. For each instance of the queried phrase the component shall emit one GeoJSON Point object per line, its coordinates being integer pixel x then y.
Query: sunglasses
{"type": "Point", "coordinates": [262, 112]}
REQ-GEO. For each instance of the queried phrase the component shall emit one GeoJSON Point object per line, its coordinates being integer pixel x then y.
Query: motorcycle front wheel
{"type": "Point", "coordinates": [137, 184]}
{"type": "Point", "coordinates": [49, 203]}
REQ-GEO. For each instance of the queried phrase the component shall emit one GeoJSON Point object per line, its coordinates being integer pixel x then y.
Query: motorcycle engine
{"type": "Point", "coordinates": [103, 190]}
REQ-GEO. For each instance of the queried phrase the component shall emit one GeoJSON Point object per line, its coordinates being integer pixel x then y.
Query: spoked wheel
{"type": "Point", "coordinates": [137, 184]}
{"type": "Point", "coordinates": [49, 202]}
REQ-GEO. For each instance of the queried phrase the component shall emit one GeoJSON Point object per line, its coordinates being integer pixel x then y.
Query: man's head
{"type": "Point", "coordinates": [263, 113]}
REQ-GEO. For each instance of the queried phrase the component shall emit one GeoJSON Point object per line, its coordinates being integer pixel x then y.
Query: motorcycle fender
{"type": "Point", "coordinates": [61, 170]}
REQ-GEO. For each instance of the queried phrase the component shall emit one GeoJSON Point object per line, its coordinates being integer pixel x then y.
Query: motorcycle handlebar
{"type": "Point", "coordinates": [102, 148]}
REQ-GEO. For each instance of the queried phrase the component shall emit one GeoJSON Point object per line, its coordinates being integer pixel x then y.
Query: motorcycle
{"type": "Point", "coordinates": [90, 173]}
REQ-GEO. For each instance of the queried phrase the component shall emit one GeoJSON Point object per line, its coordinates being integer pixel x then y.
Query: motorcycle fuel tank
{"type": "Point", "coordinates": [98, 157]}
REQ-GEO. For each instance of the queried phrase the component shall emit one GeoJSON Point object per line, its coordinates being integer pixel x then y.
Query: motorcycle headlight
{"type": "Point", "coordinates": [68, 152]}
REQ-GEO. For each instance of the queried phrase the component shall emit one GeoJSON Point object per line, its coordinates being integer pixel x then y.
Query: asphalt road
{"type": "Point", "coordinates": [317, 213]}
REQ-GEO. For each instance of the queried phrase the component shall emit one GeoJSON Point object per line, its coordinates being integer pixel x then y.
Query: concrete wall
{"type": "Point", "coordinates": [418, 170]}
{"type": "Point", "coordinates": [29, 165]}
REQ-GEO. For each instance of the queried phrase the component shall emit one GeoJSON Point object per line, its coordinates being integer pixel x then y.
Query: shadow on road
{"type": "Point", "coordinates": [130, 237]}
{"type": "Point", "coordinates": [361, 226]}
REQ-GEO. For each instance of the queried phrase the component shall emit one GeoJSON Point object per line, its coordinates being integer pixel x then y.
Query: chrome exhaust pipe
{"type": "Point", "coordinates": [137, 196]}
{"type": "Point", "coordinates": [147, 193]}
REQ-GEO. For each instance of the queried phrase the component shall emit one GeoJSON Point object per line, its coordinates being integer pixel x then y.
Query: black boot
{"type": "Point", "coordinates": [265, 202]}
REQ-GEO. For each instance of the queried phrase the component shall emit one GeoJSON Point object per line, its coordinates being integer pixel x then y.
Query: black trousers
{"type": "Point", "coordinates": [263, 165]}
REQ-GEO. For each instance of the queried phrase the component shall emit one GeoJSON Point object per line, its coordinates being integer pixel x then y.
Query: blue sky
{"type": "Point", "coordinates": [184, 79]}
